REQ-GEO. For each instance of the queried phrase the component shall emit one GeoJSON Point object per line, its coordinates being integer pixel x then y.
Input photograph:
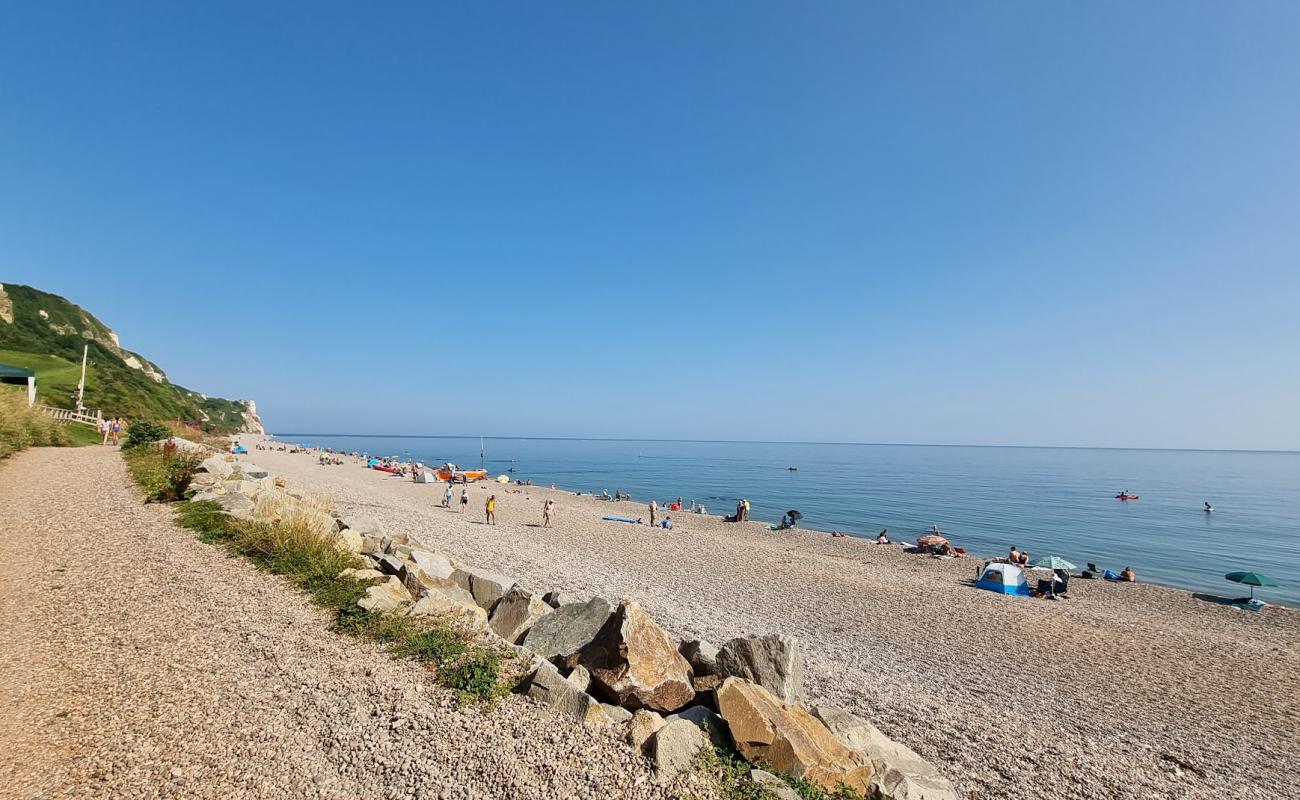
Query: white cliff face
{"type": "Point", "coordinates": [135, 363]}
{"type": "Point", "coordinates": [252, 422]}
{"type": "Point", "coordinates": [6, 306]}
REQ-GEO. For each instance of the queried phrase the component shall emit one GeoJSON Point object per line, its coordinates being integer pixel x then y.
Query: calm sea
{"type": "Point", "coordinates": [1050, 500]}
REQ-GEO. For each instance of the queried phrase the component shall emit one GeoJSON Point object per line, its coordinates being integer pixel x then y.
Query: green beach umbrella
{"type": "Point", "coordinates": [1251, 579]}
{"type": "Point", "coordinates": [1054, 562]}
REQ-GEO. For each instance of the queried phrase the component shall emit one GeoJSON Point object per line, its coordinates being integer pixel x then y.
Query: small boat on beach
{"type": "Point", "coordinates": [451, 472]}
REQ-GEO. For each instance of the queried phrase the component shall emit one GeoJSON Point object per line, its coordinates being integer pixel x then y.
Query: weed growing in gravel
{"type": "Point", "coordinates": [163, 472]}
{"type": "Point", "coordinates": [208, 519]}
{"type": "Point", "coordinates": [437, 644]}
{"type": "Point", "coordinates": [729, 775]}
{"type": "Point", "coordinates": [807, 790]}
{"type": "Point", "coordinates": [476, 674]}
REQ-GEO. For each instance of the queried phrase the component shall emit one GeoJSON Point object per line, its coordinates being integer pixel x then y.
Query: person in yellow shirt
{"type": "Point", "coordinates": [492, 509]}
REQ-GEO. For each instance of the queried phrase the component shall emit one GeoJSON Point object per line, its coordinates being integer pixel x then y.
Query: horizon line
{"type": "Point", "coordinates": [779, 441]}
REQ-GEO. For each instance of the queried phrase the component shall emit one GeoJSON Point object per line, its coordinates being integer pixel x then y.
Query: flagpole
{"type": "Point", "coordinates": [81, 385]}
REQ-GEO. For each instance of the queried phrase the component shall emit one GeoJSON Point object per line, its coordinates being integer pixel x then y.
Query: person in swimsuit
{"type": "Point", "coordinates": [464, 500]}
{"type": "Point", "coordinates": [491, 509]}
{"type": "Point", "coordinates": [547, 509]}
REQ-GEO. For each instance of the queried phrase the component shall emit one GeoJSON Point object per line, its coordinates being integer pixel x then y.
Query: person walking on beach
{"type": "Point", "coordinates": [654, 510]}
{"type": "Point", "coordinates": [547, 509]}
{"type": "Point", "coordinates": [491, 509]}
{"type": "Point", "coordinates": [117, 430]}
{"type": "Point", "coordinates": [464, 500]}
{"type": "Point", "coordinates": [446, 496]}
{"type": "Point", "coordinates": [746, 503]}
{"type": "Point", "coordinates": [106, 428]}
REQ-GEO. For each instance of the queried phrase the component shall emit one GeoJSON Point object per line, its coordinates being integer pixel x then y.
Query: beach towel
{"type": "Point", "coordinates": [1110, 576]}
{"type": "Point", "coordinates": [623, 519]}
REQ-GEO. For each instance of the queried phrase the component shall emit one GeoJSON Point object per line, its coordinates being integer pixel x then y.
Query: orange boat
{"type": "Point", "coordinates": [451, 472]}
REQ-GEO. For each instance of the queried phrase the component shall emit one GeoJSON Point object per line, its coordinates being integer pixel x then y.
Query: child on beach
{"type": "Point", "coordinates": [547, 508]}
{"type": "Point", "coordinates": [491, 509]}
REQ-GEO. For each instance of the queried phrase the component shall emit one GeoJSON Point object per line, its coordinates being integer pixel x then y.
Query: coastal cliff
{"type": "Point", "coordinates": [46, 333]}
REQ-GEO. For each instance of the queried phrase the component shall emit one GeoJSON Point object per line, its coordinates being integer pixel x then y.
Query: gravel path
{"type": "Point", "coordinates": [1122, 691]}
{"type": "Point", "coordinates": [136, 662]}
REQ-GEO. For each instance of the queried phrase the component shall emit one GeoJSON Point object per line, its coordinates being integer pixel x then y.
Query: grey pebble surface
{"type": "Point", "coordinates": [138, 662]}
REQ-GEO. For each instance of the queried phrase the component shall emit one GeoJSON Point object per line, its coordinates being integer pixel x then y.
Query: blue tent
{"type": "Point", "coordinates": [1003, 579]}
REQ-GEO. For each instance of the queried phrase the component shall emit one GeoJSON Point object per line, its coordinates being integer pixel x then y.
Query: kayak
{"type": "Point", "coordinates": [1126, 497]}
{"type": "Point", "coordinates": [633, 520]}
{"type": "Point", "coordinates": [389, 470]}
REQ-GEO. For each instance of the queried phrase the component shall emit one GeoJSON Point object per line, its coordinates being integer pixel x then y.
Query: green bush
{"type": "Point", "coordinates": [145, 432]}
{"type": "Point", "coordinates": [164, 473]}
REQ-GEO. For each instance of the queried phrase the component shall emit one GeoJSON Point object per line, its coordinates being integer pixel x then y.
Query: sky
{"type": "Point", "coordinates": [1035, 223]}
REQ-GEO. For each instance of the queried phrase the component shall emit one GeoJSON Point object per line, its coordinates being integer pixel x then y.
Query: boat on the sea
{"type": "Point", "coordinates": [451, 472]}
{"type": "Point", "coordinates": [1125, 496]}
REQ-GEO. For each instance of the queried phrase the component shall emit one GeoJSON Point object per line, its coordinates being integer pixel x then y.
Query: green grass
{"type": "Point", "coordinates": [728, 774]}
{"type": "Point", "coordinates": [164, 473]}
{"type": "Point", "coordinates": [309, 561]}
{"type": "Point", "coordinates": [81, 435]}
{"type": "Point", "coordinates": [22, 427]}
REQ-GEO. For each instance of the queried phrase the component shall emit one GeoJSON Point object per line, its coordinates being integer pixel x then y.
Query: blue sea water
{"type": "Point", "coordinates": [1056, 501]}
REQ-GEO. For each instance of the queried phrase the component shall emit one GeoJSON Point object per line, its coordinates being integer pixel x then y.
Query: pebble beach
{"type": "Point", "coordinates": [1123, 690]}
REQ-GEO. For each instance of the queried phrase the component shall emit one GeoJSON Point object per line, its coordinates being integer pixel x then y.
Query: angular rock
{"type": "Point", "coordinates": [371, 545]}
{"type": "Point", "coordinates": [200, 497]}
{"type": "Point", "coordinates": [402, 551]}
{"type": "Point", "coordinates": [203, 480]}
{"type": "Point", "coordinates": [388, 596]}
{"type": "Point", "coordinates": [788, 738]}
{"type": "Point", "coordinates": [247, 488]}
{"type": "Point", "coordinates": [702, 656]}
{"type": "Point", "coordinates": [516, 613]}
{"type": "Point", "coordinates": [347, 541]}
{"type": "Point", "coordinates": [774, 785]}
{"type": "Point", "coordinates": [556, 598]}
{"type": "Point", "coordinates": [365, 526]}
{"type": "Point", "coordinates": [900, 773]}
{"type": "Point", "coordinates": [236, 505]}
{"type": "Point", "coordinates": [561, 634]}
{"type": "Point", "coordinates": [643, 725]}
{"type": "Point", "coordinates": [635, 663]}
{"type": "Point", "coordinates": [773, 662]}
{"type": "Point", "coordinates": [252, 471]}
{"type": "Point", "coordinates": [548, 686]}
{"type": "Point", "coordinates": [487, 587]}
{"type": "Point", "coordinates": [390, 564]}
{"type": "Point", "coordinates": [616, 715]}
{"type": "Point", "coordinates": [361, 574]}
{"type": "Point", "coordinates": [453, 605]}
{"type": "Point", "coordinates": [436, 565]}
{"type": "Point", "coordinates": [580, 678]}
{"type": "Point", "coordinates": [217, 465]}
{"type": "Point", "coordinates": [707, 720]}
{"type": "Point", "coordinates": [673, 747]}
{"type": "Point", "coordinates": [428, 570]}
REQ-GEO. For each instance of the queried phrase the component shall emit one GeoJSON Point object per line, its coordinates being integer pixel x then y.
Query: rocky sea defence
{"type": "Point", "coordinates": [606, 662]}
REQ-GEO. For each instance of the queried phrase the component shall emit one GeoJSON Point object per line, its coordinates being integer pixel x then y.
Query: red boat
{"type": "Point", "coordinates": [1123, 496]}
{"type": "Point", "coordinates": [389, 470]}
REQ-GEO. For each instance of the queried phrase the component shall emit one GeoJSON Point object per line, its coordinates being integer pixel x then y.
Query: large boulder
{"type": "Point", "coordinates": [635, 663]}
{"type": "Point", "coordinates": [247, 488]}
{"type": "Point", "coordinates": [556, 598]}
{"type": "Point", "coordinates": [900, 773]}
{"type": "Point", "coordinates": [487, 587]}
{"type": "Point", "coordinates": [346, 540]}
{"type": "Point", "coordinates": [203, 480]}
{"type": "Point", "coordinates": [707, 720]}
{"type": "Point", "coordinates": [788, 738]}
{"type": "Point", "coordinates": [364, 526]}
{"type": "Point", "coordinates": [774, 785]}
{"type": "Point", "coordinates": [702, 656]}
{"type": "Point", "coordinates": [548, 686]}
{"type": "Point", "coordinates": [673, 748]}
{"type": "Point", "coordinates": [217, 465]}
{"type": "Point", "coordinates": [644, 724]}
{"type": "Point", "coordinates": [452, 605]}
{"type": "Point", "coordinates": [252, 471]}
{"type": "Point", "coordinates": [236, 505]}
{"type": "Point", "coordinates": [561, 634]}
{"type": "Point", "coordinates": [428, 570]}
{"type": "Point", "coordinates": [389, 596]}
{"type": "Point", "coordinates": [773, 662]}
{"type": "Point", "coordinates": [516, 613]}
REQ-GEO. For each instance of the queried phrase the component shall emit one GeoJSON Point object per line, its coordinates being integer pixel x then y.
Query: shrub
{"type": "Point", "coordinates": [144, 432]}
{"type": "Point", "coordinates": [438, 645]}
{"type": "Point", "coordinates": [164, 473]}
{"type": "Point", "coordinates": [22, 427]}
{"type": "Point", "coordinates": [729, 775]}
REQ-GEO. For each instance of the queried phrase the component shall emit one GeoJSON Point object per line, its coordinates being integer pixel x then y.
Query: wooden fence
{"type": "Point", "coordinates": [64, 415]}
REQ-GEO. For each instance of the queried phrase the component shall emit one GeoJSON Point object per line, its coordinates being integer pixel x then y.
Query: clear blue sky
{"type": "Point", "coordinates": [1027, 223]}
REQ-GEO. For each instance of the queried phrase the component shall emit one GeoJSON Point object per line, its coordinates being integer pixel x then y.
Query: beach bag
{"type": "Point", "coordinates": [1110, 576]}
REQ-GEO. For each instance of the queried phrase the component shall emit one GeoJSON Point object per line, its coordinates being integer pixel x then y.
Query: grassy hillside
{"type": "Point", "coordinates": [118, 381]}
